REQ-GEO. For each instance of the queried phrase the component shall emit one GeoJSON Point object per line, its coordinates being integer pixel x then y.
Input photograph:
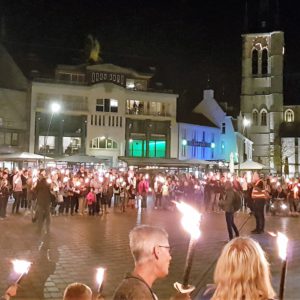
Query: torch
{"type": "Point", "coordinates": [99, 279]}
{"type": "Point", "coordinates": [282, 242]}
{"type": "Point", "coordinates": [191, 223]}
{"type": "Point", "coordinates": [21, 267]}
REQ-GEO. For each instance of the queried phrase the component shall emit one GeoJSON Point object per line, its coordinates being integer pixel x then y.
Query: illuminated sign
{"type": "Point", "coordinates": [96, 77]}
{"type": "Point", "coordinates": [194, 143]}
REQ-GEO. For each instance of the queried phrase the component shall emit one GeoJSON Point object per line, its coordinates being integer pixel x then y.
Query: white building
{"type": "Point", "coordinates": [106, 111]}
{"type": "Point", "coordinates": [209, 134]}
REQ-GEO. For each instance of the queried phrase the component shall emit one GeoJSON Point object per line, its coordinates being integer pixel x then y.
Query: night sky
{"type": "Point", "coordinates": [188, 42]}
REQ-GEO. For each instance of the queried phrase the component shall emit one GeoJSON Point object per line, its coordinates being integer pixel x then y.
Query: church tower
{"type": "Point", "coordinates": [262, 80]}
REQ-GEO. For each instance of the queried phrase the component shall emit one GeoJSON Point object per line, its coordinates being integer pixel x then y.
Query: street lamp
{"type": "Point", "coordinates": [246, 123]}
{"type": "Point", "coordinates": [55, 108]}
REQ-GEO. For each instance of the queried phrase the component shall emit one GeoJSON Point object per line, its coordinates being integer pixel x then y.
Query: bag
{"type": "Point", "coordinates": [237, 202]}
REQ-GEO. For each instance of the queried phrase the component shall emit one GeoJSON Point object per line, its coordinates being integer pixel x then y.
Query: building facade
{"type": "Point", "coordinates": [209, 134]}
{"type": "Point", "coordinates": [106, 111]}
{"type": "Point", "coordinates": [15, 106]}
{"type": "Point", "coordinates": [274, 125]}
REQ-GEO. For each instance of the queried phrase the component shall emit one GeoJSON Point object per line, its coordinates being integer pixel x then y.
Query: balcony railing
{"type": "Point", "coordinates": [143, 112]}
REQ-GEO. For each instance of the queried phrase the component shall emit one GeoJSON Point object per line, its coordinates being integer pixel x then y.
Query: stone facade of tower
{"type": "Point", "coordinates": [262, 93]}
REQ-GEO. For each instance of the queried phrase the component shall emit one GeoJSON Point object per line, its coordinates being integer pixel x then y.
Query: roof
{"type": "Point", "coordinates": [196, 119]}
{"type": "Point", "coordinates": [289, 129]}
{"type": "Point", "coordinates": [162, 162]}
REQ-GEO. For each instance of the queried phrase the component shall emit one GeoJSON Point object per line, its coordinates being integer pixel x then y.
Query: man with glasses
{"type": "Point", "coordinates": [150, 249]}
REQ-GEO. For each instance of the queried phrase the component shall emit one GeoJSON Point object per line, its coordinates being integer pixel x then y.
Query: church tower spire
{"type": "Point", "coordinates": [262, 83]}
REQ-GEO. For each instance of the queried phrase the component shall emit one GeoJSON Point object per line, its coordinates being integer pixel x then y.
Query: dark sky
{"type": "Point", "coordinates": [188, 41]}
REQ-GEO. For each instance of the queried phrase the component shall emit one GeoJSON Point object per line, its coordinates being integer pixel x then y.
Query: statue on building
{"type": "Point", "coordinates": [92, 50]}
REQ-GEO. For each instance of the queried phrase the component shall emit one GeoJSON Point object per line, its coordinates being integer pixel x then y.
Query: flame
{"type": "Point", "coordinates": [190, 220]}
{"type": "Point", "coordinates": [21, 266]}
{"type": "Point", "coordinates": [282, 242]}
{"type": "Point", "coordinates": [100, 276]}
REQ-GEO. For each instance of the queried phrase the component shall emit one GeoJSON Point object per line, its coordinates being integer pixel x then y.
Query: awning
{"type": "Point", "coordinates": [163, 162]}
{"type": "Point", "coordinates": [23, 156]}
{"type": "Point", "coordinates": [87, 159]}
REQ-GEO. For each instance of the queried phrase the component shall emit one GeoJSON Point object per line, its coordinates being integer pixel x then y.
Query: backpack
{"type": "Point", "coordinates": [237, 202]}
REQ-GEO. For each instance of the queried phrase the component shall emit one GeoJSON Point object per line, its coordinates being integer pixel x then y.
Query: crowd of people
{"type": "Point", "coordinates": [92, 192]}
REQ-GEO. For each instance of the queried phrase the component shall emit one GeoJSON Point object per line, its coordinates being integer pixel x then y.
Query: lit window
{"type": "Point", "coordinates": [289, 115]}
{"type": "Point", "coordinates": [103, 143]}
{"type": "Point", "coordinates": [107, 105]}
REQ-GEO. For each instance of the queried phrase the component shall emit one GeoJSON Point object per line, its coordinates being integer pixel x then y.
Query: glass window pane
{"type": "Point", "coordinates": [160, 148]}
{"type": "Point", "coordinates": [1, 138]}
{"type": "Point", "coordinates": [136, 148]}
{"type": "Point", "coordinates": [7, 138]}
{"type": "Point", "coordinates": [152, 149]}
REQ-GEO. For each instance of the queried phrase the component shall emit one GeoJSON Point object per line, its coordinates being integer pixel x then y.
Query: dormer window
{"type": "Point", "coordinates": [289, 115]}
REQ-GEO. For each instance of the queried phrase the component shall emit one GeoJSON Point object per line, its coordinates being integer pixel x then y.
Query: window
{"type": "Point", "coordinates": [254, 62]}
{"type": "Point", "coordinates": [14, 139]}
{"type": "Point", "coordinates": [255, 117]}
{"type": "Point", "coordinates": [137, 148]}
{"type": "Point", "coordinates": [46, 144]}
{"type": "Point", "coordinates": [264, 62]}
{"type": "Point", "coordinates": [107, 105]}
{"type": "Point", "coordinates": [103, 143]}
{"type": "Point", "coordinates": [71, 145]}
{"type": "Point", "coordinates": [95, 120]}
{"type": "Point", "coordinates": [263, 118]}
{"type": "Point", "coordinates": [289, 115]}
{"type": "Point", "coordinates": [223, 128]}
{"type": "Point", "coordinates": [92, 119]}
{"type": "Point", "coordinates": [222, 147]}
{"type": "Point", "coordinates": [99, 120]}
{"type": "Point", "coordinates": [157, 148]}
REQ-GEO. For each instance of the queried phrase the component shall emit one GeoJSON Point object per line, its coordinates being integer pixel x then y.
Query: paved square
{"type": "Point", "coordinates": [78, 245]}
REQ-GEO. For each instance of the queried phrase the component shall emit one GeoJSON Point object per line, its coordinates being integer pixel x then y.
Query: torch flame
{"type": "Point", "coordinates": [100, 276]}
{"type": "Point", "coordinates": [190, 219]}
{"type": "Point", "coordinates": [282, 242]}
{"type": "Point", "coordinates": [21, 266]}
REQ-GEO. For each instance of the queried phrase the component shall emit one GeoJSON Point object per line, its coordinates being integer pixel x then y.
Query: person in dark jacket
{"type": "Point", "coordinates": [43, 195]}
{"type": "Point", "coordinates": [227, 204]}
{"type": "Point", "coordinates": [4, 193]}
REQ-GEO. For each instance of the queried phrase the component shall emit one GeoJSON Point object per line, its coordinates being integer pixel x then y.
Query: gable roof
{"type": "Point", "coordinates": [11, 77]}
{"type": "Point", "coordinates": [196, 119]}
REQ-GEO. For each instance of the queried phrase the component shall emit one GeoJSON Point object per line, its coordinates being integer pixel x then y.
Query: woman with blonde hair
{"type": "Point", "coordinates": [242, 272]}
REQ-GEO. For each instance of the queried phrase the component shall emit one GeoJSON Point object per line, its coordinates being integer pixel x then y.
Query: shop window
{"type": "Point", "coordinates": [157, 148]}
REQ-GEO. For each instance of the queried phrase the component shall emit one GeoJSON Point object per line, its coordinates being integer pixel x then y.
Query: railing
{"type": "Point", "coordinates": [142, 112]}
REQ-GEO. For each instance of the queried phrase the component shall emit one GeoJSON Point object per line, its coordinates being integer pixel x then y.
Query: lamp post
{"type": "Point", "coordinates": [55, 108]}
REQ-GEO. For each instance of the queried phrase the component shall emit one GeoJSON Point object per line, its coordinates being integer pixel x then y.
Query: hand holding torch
{"type": "Point", "coordinates": [21, 267]}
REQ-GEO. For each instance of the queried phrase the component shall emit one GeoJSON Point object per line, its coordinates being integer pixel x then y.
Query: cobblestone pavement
{"type": "Point", "coordinates": [79, 244]}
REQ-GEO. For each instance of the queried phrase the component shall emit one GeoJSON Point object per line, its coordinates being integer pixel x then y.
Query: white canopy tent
{"type": "Point", "coordinates": [250, 165]}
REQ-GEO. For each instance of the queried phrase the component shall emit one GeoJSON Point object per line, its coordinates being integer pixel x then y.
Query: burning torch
{"type": "Point", "coordinates": [21, 267]}
{"type": "Point", "coordinates": [99, 279]}
{"type": "Point", "coordinates": [191, 223]}
{"type": "Point", "coordinates": [282, 242]}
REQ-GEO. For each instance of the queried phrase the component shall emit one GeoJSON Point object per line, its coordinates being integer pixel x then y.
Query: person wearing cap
{"type": "Point", "coordinates": [259, 196]}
